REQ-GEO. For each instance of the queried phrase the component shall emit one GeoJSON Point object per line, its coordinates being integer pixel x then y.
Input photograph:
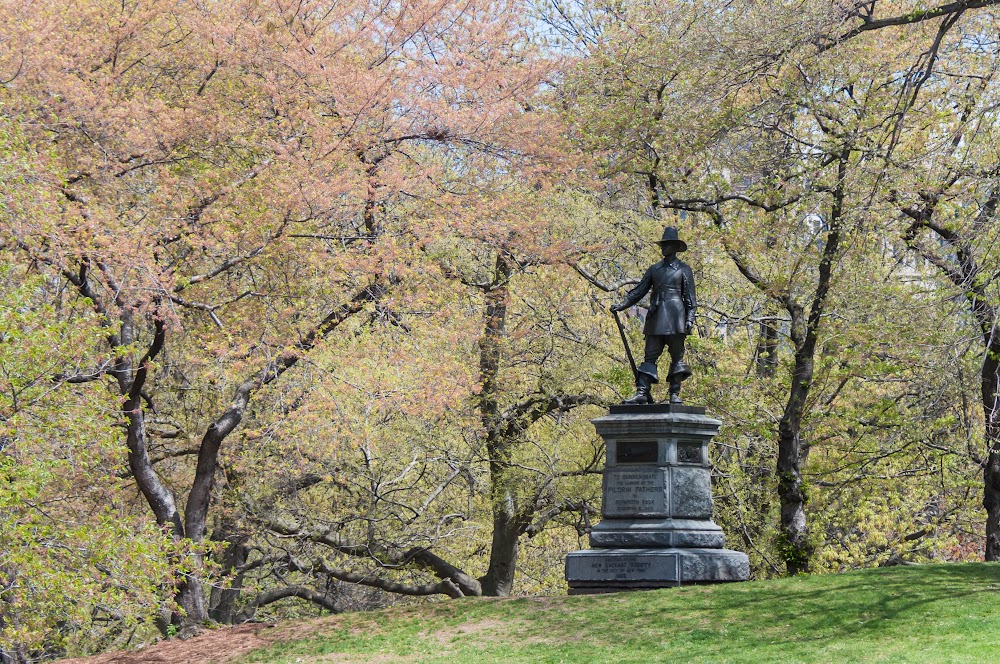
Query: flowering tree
{"type": "Point", "coordinates": [221, 179]}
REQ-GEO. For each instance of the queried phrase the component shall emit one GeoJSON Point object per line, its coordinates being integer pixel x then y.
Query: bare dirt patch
{"type": "Point", "coordinates": [445, 636]}
{"type": "Point", "coordinates": [225, 644]}
{"type": "Point", "coordinates": [211, 647]}
{"type": "Point", "coordinates": [215, 646]}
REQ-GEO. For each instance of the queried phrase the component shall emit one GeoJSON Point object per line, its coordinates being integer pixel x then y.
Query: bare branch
{"type": "Point", "coordinates": [208, 77]}
{"type": "Point", "coordinates": [947, 269]}
{"type": "Point", "coordinates": [385, 557]}
{"type": "Point", "coordinates": [276, 594]}
{"type": "Point", "coordinates": [784, 297]}
{"type": "Point", "coordinates": [154, 349]}
{"type": "Point", "coordinates": [443, 587]}
{"type": "Point", "coordinates": [234, 261]}
{"type": "Point", "coordinates": [581, 506]}
{"type": "Point", "coordinates": [172, 453]}
{"type": "Point", "coordinates": [20, 68]}
{"type": "Point", "coordinates": [198, 498]}
{"type": "Point", "coordinates": [607, 287]}
{"type": "Point", "coordinates": [915, 81]}
{"type": "Point", "coordinates": [76, 378]}
{"type": "Point", "coordinates": [914, 17]}
{"type": "Point", "coordinates": [683, 203]}
{"type": "Point", "coordinates": [521, 416]}
{"type": "Point", "coordinates": [444, 570]}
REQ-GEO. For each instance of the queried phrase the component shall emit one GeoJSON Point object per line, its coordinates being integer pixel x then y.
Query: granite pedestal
{"type": "Point", "coordinates": [656, 528]}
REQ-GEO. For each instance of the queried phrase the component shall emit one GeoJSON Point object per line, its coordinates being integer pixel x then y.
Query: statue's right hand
{"type": "Point", "coordinates": [618, 307]}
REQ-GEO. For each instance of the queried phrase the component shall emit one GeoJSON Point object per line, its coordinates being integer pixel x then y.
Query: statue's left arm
{"type": "Point", "coordinates": [690, 299]}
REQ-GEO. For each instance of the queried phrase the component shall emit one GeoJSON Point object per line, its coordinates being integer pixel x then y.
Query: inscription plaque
{"type": "Point", "coordinates": [598, 566]}
{"type": "Point", "coordinates": [631, 451]}
{"type": "Point", "coordinates": [689, 453]}
{"type": "Point", "coordinates": [631, 492]}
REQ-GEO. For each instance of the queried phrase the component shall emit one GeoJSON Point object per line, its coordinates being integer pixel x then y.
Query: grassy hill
{"type": "Point", "coordinates": [932, 613]}
{"type": "Point", "coordinates": [926, 613]}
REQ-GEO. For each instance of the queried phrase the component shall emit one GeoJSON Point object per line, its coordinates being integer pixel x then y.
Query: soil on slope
{"type": "Point", "coordinates": [213, 646]}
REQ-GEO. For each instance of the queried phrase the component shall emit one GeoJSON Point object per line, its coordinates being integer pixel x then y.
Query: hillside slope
{"type": "Point", "coordinates": [932, 613]}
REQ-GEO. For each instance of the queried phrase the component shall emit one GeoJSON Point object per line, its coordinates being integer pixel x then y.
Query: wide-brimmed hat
{"type": "Point", "coordinates": [670, 237]}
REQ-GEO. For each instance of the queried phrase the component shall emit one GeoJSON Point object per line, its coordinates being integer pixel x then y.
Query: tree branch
{"type": "Point", "coordinates": [607, 287]}
{"type": "Point", "coordinates": [198, 498]}
{"type": "Point", "coordinates": [581, 506]}
{"type": "Point", "coordinates": [419, 556]}
{"type": "Point", "coordinates": [135, 392]}
{"type": "Point", "coordinates": [443, 587]}
{"type": "Point", "coordinates": [422, 557]}
{"type": "Point", "coordinates": [519, 417]}
{"type": "Point", "coordinates": [83, 377]}
{"type": "Point", "coordinates": [914, 17]}
{"type": "Point", "coordinates": [276, 594]}
{"type": "Point", "coordinates": [234, 261]}
{"type": "Point", "coordinates": [742, 264]}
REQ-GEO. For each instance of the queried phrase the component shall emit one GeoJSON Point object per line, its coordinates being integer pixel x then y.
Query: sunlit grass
{"type": "Point", "coordinates": [932, 613]}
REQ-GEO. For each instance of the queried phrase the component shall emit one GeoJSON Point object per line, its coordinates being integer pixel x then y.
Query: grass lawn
{"type": "Point", "coordinates": [927, 613]}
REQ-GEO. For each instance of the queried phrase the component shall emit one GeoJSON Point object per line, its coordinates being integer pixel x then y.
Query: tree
{"type": "Point", "coordinates": [472, 447]}
{"type": "Point", "coordinates": [63, 561]}
{"type": "Point", "coordinates": [948, 204]}
{"type": "Point", "coordinates": [216, 164]}
{"type": "Point", "coordinates": [782, 149]}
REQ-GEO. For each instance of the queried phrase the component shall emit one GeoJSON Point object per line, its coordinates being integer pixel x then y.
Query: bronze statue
{"type": "Point", "coordinates": [668, 321]}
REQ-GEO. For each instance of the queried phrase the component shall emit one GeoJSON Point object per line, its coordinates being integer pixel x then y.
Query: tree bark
{"type": "Point", "coordinates": [794, 544]}
{"type": "Point", "coordinates": [965, 273]}
{"type": "Point", "coordinates": [222, 600]}
{"type": "Point", "coordinates": [986, 316]}
{"type": "Point", "coordinates": [766, 355]}
{"type": "Point", "coordinates": [991, 468]}
{"type": "Point", "coordinates": [276, 594]}
{"type": "Point", "coordinates": [499, 577]}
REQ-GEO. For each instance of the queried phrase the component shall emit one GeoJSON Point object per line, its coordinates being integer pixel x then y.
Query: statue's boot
{"type": "Point", "coordinates": [675, 390]}
{"type": "Point", "coordinates": [679, 371]}
{"type": "Point", "coordinates": [641, 396]}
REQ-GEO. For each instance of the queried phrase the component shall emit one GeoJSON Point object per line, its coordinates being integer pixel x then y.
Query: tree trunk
{"type": "Point", "coordinates": [191, 599]}
{"type": "Point", "coordinates": [766, 355]}
{"type": "Point", "coordinates": [965, 273]}
{"type": "Point", "coordinates": [222, 602]}
{"type": "Point", "coordinates": [991, 468]}
{"type": "Point", "coordinates": [794, 544]}
{"type": "Point", "coordinates": [499, 578]}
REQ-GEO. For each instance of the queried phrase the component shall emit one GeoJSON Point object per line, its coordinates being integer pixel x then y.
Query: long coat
{"type": "Point", "coordinates": [672, 303]}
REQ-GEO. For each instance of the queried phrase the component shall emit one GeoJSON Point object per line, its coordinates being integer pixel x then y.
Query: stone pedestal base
{"type": "Point", "coordinates": [646, 533]}
{"type": "Point", "coordinates": [656, 529]}
{"type": "Point", "coordinates": [612, 570]}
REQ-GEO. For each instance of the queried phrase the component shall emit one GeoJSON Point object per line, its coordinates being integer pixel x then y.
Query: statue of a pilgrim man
{"type": "Point", "coordinates": [669, 319]}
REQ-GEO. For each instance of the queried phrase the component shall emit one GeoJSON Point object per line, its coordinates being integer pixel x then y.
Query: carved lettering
{"type": "Point", "coordinates": [613, 567]}
{"type": "Point", "coordinates": [635, 492]}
